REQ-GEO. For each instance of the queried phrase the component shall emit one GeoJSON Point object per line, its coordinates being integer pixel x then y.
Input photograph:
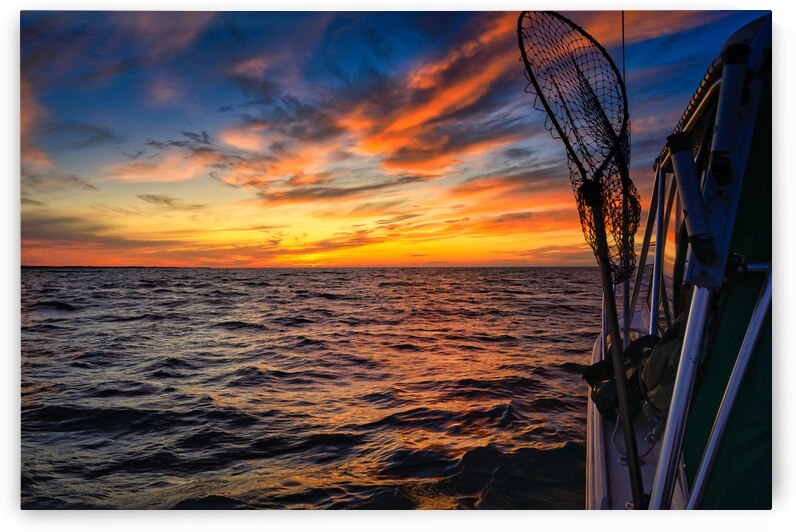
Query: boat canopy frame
{"type": "Point", "coordinates": [729, 87]}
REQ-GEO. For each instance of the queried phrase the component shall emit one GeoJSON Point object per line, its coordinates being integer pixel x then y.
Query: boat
{"type": "Point", "coordinates": [698, 347]}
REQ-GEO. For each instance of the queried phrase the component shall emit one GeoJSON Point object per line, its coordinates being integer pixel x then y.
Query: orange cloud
{"type": "Point", "coordinates": [429, 161]}
{"type": "Point", "coordinates": [31, 114]}
{"type": "Point", "coordinates": [169, 167]}
{"type": "Point", "coordinates": [452, 98]}
{"type": "Point", "coordinates": [167, 91]}
{"type": "Point", "coordinates": [247, 138]}
{"type": "Point", "coordinates": [257, 66]}
{"type": "Point", "coordinates": [432, 92]}
{"type": "Point", "coordinates": [165, 33]}
{"type": "Point", "coordinates": [571, 254]}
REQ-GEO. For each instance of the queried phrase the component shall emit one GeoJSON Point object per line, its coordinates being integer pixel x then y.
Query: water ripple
{"type": "Point", "coordinates": [333, 388]}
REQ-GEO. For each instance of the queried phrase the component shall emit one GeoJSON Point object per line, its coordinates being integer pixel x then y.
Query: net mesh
{"type": "Point", "coordinates": [576, 83]}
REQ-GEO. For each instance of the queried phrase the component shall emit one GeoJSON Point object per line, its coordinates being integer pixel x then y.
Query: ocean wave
{"type": "Point", "coordinates": [74, 418]}
{"type": "Point", "coordinates": [366, 388]}
{"type": "Point", "coordinates": [55, 305]}
{"type": "Point", "coordinates": [211, 502]}
{"type": "Point", "coordinates": [406, 347]}
{"type": "Point", "coordinates": [293, 321]}
{"type": "Point", "coordinates": [123, 389]}
{"type": "Point", "coordinates": [240, 326]}
{"type": "Point", "coordinates": [417, 463]}
{"type": "Point", "coordinates": [506, 387]}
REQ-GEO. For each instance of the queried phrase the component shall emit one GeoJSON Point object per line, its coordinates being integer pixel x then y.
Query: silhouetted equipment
{"type": "Point", "coordinates": [580, 88]}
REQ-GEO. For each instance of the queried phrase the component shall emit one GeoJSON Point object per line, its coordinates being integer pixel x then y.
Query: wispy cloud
{"type": "Point", "coordinates": [163, 33]}
{"type": "Point", "coordinates": [167, 202]}
{"type": "Point", "coordinates": [167, 168]}
{"type": "Point", "coordinates": [62, 135]}
{"type": "Point", "coordinates": [31, 116]}
{"type": "Point", "coordinates": [557, 254]}
{"type": "Point", "coordinates": [49, 180]}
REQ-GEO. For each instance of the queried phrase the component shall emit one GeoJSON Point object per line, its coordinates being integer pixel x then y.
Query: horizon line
{"type": "Point", "coordinates": [35, 266]}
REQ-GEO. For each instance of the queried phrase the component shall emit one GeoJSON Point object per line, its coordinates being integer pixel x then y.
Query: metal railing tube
{"type": "Point", "coordinates": [661, 496]}
{"type": "Point", "coordinates": [734, 59]}
{"type": "Point", "coordinates": [657, 265]}
{"type": "Point", "coordinates": [664, 297]}
{"type": "Point", "coordinates": [730, 395]}
{"type": "Point", "coordinates": [702, 243]}
{"type": "Point", "coordinates": [627, 313]}
{"type": "Point", "coordinates": [693, 119]}
{"type": "Point", "coordinates": [645, 246]}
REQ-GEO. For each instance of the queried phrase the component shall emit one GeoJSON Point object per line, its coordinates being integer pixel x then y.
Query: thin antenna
{"type": "Point", "coordinates": [624, 79]}
{"type": "Point", "coordinates": [626, 310]}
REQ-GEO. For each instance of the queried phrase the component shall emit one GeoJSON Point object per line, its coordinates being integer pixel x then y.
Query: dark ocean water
{"type": "Point", "coordinates": [341, 388]}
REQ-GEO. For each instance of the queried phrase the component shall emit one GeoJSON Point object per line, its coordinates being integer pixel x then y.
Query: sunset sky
{"type": "Point", "coordinates": [318, 139]}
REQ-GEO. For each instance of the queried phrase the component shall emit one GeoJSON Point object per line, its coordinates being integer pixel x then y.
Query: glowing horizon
{"type": "Point", "coordinates": [338, 140]}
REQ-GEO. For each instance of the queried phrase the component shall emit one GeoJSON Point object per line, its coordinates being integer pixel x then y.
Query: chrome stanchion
{"type": "Point", "coordinates": [661, 496]}
{"type": "Point", "coordinates": [657, 265]}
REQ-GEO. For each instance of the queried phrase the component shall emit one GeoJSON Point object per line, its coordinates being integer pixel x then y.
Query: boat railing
{"type": "Point", "coordinates": [660, 211]}
{"type": "Point", "coordinates": [711, 118]}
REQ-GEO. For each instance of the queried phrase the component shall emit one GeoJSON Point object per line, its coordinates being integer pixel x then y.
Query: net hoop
{"type": "Point", "coordinates": [585, 99]}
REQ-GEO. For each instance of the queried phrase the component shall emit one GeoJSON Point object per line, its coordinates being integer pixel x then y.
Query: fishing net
{"type": "Point", "coordinates": [577, 84]}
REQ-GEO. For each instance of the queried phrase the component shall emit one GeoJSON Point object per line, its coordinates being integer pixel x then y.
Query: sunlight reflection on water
{"type": "Point", "coordinates": [342, 388]}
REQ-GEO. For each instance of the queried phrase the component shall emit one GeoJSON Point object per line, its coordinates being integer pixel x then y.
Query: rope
{"type": "Point", "coordinates": [651, 439]}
